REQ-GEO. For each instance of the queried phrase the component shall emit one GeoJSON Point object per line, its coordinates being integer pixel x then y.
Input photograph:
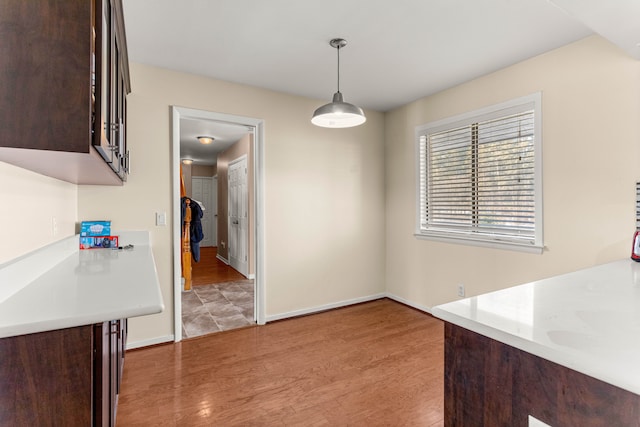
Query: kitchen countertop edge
{"type": "Point", "coordinates": [135, 293]}
{"type": "Point", "coordinates": [623, 374]}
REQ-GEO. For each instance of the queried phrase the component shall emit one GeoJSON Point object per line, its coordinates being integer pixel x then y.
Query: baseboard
{"type": "Point", "coordinates": [152, 341]}
{"type": "Point", "coordinates": [296, 313]}
{"type": "Point", "coordinates": [325, 307]}
{"type": "Point", "coordinates": [250, 276]}
{"type": "Point", "coordinates": [409, 303]}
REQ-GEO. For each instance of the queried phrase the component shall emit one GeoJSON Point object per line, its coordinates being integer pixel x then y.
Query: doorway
{"type": "Point", "coordinates": [254, 210]}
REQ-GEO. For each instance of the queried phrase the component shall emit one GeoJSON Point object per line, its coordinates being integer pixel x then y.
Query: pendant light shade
{"type": "Point", "coordinates": [338, 114]}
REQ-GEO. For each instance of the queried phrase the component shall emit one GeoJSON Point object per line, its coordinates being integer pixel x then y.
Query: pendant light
{"type": "Point", "coordinates": [338, 114]}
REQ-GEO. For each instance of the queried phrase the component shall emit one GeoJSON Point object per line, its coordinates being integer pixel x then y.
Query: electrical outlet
{"type": "Point", "coordinates": [460, 290]}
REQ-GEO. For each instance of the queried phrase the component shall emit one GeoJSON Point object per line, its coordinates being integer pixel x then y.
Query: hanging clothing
{"type": "Point", "coordinates": [195, 229]}
{"type": "Point", "coordinates": [199, 204]}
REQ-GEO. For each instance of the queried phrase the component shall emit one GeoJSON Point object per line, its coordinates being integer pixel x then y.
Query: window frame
{"type": "Point", "coordinates": [529, 102]}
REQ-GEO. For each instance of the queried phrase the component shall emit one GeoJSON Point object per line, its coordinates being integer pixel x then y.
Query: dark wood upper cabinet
{"type": "Point", "coordinates": [111, 86]}
{"type": "Point", "coordinates": [64, 77]}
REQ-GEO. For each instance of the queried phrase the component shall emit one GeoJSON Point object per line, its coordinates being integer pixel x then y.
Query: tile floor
{"type": "Point", "coordinates": [217, 307]}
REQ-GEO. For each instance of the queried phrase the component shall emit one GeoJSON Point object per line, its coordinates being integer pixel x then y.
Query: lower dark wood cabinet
{"type": "Point", "coordinates": [67, 377]}
{"type": "Point", "coordinates": [488, 383]}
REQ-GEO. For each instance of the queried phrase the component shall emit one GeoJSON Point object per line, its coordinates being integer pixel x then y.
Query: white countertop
{"type": "Point", "coordinates": [61, 286]}
{"type": "Point", "coordinates": [588, 320]}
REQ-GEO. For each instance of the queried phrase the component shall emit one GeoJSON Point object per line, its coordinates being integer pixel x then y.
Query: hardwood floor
{"type": "Point", "coordinates": [211, 270]}
{"type": "Point", "coordinates": [373, 364]}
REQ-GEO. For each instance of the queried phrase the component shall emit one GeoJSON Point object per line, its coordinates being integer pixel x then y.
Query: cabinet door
{"type": "Point", "coordinates": [118, 108]}
{"type": "Point", "coordinates": [122, 344]}
{"type": "Point", "coordinates": [122, 130]}
{"type": "Point", "coordinates": [114, 368]}
{"type": "Point", "coordinates": [46, 378]}
{"type": "Point", "coordinates": [110, 134]}
{"type": "Point", "coordinates": [102, 383]}
{"type": "Point", "coordinates": [45, 86]}
{"type": "Point", "coordinates": [103, 120]}
{"type": "Point", "coordinates": [108, 370]}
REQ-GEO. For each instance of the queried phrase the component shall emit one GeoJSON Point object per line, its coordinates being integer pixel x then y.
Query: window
{"type": "Point", "coordinates": [480, 177]}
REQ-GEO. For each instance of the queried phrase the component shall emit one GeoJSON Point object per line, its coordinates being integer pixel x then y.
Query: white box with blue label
{"type": "Point", "coordinates": [95, 228]}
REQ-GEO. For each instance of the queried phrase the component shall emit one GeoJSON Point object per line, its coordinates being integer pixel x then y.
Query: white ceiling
{"type": "Point", "coordinates": [398, 51]}
{"type": "Point", "coordinates": [224, 134]}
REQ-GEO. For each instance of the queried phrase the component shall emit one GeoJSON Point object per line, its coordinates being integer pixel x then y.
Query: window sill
{"type": "Point", "coordinates": [469, 241]}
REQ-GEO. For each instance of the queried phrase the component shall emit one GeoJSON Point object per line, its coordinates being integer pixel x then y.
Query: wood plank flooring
{"type": "Point", "coordinates": [211, 270]}
{"type": "Point", "coordinates": [373, 364]}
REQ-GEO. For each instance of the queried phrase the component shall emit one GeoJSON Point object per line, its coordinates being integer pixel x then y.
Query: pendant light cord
{"type": "Point", "coordinates": [338, 68]}
{"type": "Point", "coordinates": [337, 113]}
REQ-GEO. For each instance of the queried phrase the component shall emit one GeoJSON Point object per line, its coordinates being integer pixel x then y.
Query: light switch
{"type": "Point", "coordinates": [161, 218]}
{"type": "Point", "coordinates": [54, 226]}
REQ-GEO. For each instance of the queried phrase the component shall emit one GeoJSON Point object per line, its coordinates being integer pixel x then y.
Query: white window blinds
{"type": "Point", "coordinates": [478, 179]}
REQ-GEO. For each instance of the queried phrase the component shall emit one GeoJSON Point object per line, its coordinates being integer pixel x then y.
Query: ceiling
{"type": "Point", "coordinates": [398, 51]}
{"type": "Point", "coordinates": [224, 134]}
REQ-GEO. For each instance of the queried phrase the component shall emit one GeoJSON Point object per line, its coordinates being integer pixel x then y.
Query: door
{"type": "Point", "coordinates": [214, 211]}
{"type": "Point", "coordinates": [201, 190]}
{"type": "Point", "coordinates": [238, 202]}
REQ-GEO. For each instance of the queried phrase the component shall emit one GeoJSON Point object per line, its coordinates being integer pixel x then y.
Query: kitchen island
{"type": "Point", "coordinates": [563, 350]}
{"type": "Point", "coordinates": [63, 328]}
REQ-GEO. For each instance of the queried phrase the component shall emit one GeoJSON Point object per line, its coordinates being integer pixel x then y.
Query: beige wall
{"type": "Point", "coordinates": [324, 192]}
{"type": "Point", "coordinates": [203, 170]}
{"type": "Point", "coordinates": [28, 202]}
{"type": "Point", "coordinates": [189, 171]}
{"type": "Point", "coordinates": [591, 161]}
{"type": "Point", "coordinates": [241, 148]}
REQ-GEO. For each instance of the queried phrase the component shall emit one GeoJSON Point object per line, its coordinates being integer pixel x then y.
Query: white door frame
{"type": "Point", "coordinates": [178, 113]}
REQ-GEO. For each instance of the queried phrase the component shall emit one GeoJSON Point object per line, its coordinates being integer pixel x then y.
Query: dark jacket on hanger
{"type": "Point", "coordinates": [195, 229]}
